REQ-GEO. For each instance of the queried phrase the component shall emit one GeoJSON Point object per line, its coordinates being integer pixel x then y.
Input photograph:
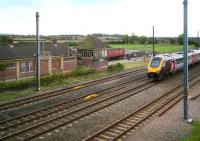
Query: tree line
{"type": "Point", "coordinates": [134, 39]}
{"type": "Point", "coordinates": [124, 39]}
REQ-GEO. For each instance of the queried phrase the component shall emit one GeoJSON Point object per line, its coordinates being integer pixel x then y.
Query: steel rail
{"type": "Point", "coordinates": [111, 134]}
{"type": "Point", "coordinates": [18, 120]}
{"type": "Point", "coordinates": [30, 99]}
{"type": "Point", "coordinates": [101, 106]}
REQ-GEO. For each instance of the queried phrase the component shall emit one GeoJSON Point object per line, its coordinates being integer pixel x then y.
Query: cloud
{"type": "Point", "coordinates": [121, 16]}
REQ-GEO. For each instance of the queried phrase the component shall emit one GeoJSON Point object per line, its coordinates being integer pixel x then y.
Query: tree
{"type": "Point", "coordinates": [143, 39]}
{"type": "Point", "coordinates": [133, 39]}
{"type": "Point", "coordinates": [172, 41]}
{"type": "Point", "coordinates": [126, 39]}
{"type": "Point", "coordinates": [5, 39]}
{"type": "Point", "coordinates": [180, 39]}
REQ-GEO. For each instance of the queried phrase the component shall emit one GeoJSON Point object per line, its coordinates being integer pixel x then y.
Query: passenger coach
{"type": "Point", "coordinates": [163, 65]}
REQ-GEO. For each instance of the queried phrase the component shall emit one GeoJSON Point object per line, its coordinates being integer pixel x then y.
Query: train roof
{"type": "Point", "coordinates": [176, 55]}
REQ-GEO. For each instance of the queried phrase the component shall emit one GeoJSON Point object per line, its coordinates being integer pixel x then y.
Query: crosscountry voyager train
{"type": "Point", "coordinates": [163, 65]}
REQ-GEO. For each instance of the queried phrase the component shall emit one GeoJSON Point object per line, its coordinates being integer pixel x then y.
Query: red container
{"type": "Point", "coordinates": [115, 53]}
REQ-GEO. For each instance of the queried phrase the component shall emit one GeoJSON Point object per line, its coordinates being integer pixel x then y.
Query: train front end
{"type": "Point", "coordinates": [154, 68]}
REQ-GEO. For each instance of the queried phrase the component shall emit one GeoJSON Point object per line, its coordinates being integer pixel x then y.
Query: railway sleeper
{"type": "Point", "coordinates": [135, 118]}
{"type": "Point", "coordinates": [44, 128]}
{"type": "Point", "coordinates": [110, 134]}
{"type": "Point", "coordinates": [128, 123]}
{"type": "Point", "coordinates": [98, 139]}
{"type": "Point", "coordinates": [8, 124]}
{"type": "Point", "coordinates": [25, 119]}
{"type": "Point", "coordinates": [106, 137]}
{"type": "Point", "coordinates": [27, 135]}
{"type": "Point", "coordinates": [50, 125]}
{"type": "Point", "coordinates": [143, 114]}
{"type": "Point", "coordinates": [83, 112]}
{"type": "Point", "coordinates": [123, 125]}
{"type": "Point", "coordinates": [18, 138]}
{"type": "Point", "coordinates": [35, 131]}
{"type": "Point", "coordinates": [120, 128]}
{"type": "Point", "coordinates": [57, 122]}
{"type": "Point", "coordinates": [115, 131]}
{"type": "Point", "coordinates": [148, 111]}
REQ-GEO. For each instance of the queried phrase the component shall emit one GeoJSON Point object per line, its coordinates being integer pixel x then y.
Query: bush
{"type": "Point", "coordinates": [17, 85]}
{"type": "Point", "coordinates": [116, 67]}
{"type": "Point", "coordinates": [28, 83]}
{"type": "Point", "coordinates": [80, 71]}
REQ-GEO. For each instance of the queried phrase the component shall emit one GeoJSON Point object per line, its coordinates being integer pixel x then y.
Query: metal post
{"type": "Point", "coordinates": [38, 51]}
{"type": "Point", "coordinates": [153, 42]}
{"type": "Point", "coordinates": [185, 46]}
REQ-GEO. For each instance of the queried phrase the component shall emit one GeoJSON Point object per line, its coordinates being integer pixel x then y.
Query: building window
{"type": "Point", "coordinates": [26, 67]}
{"type": "Point", "coordinates": [11, 65]}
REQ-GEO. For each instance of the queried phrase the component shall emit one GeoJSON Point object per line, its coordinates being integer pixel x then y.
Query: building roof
{"type": "Point", "coordinates": [92, 42]}
{"type": "Point", "coordinates": [28, 50]}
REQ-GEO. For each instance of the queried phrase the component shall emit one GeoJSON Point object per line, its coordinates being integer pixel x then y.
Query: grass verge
{"type": "Point", "coordinates": [159, 48]}
{"type": "Point", "coordinates": [195, 134]}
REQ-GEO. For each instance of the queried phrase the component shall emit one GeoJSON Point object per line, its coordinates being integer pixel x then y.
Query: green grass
{"type": "Point", "coordinates": [159, 48]}
{"type": "Point", "coordinates": [134, 65]}
{"type": "Point", "coordinates": [15, 94]}
{"type": "Point", "coordinates": [195, 134]}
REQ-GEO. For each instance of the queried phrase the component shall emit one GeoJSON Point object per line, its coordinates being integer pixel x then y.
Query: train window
{"type": "Point", "coordinates": [155, 62]}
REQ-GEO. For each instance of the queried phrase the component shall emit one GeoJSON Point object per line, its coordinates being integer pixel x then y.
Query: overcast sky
{"type": "Point", "coordinates": [99, 16]}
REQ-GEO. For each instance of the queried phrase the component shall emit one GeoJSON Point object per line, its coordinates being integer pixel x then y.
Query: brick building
{"type": "Point", "coordinates": [93, 53]}
{"type": "Point", "coordinates": [21, 63]}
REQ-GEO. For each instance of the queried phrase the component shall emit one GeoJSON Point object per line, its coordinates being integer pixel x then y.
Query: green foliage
{"type": "Point", "coordinates": [195, 134]}
{"type": "Point", "coordinates": [17, 85]}
{"type": "Point", "coordinates": [143, 40]}
{"type": "Point", "coordinates": [3, 67]}
{"type": "Point", "coordinates": [4, 39]}
{"type": "Point", "coordinates": [79, 71]}
{"type": "Point", "coordinates": [134, 39]}
{"type": "Point", "coordinates": [116, 42]}
{"type": "Point", "coordinates": [126, 39]}
{"type": "Point", "coordinates": [180, 39]}
{"type": "Point", "coordinates": [116, 67]}
{"type": "Point", "coordinates": [172, 41]}
{"type": "Point", "coordinates": [194, 43]}
{"type": "Point", "coordinates": [28, 83]}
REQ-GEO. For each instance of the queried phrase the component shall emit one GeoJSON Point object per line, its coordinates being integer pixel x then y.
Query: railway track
{"type": "Point", "coordinates": [66, 104]}
{"type": "Point", "coordinates": [35, 98]}
{"type": "Point", "coordinates": [44, 122]}
{"type": "Point", "coordinates": [122, 127]}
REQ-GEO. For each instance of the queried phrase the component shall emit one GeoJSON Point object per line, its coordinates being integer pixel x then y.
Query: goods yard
{"type": "Point", "coordinates": [105, 109]}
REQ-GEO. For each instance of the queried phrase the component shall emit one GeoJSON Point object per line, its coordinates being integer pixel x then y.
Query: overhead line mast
{"type": "Point", "coordinates": [38, 52]}
{"type": "Point", "coordinates": [185, 47]}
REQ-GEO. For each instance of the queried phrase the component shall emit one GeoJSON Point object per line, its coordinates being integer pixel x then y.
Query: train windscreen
{"type": "Point", "coordinates": [155, 62]}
